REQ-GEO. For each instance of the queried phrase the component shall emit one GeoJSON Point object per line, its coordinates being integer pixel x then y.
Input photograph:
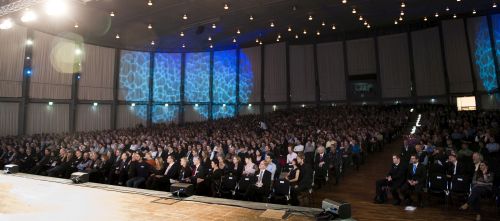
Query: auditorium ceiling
{"type": "Point", "coordinates": [194, 25]}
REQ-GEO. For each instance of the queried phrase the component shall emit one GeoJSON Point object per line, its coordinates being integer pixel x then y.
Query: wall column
{"type": "Point", "coordinates": [25, 86]}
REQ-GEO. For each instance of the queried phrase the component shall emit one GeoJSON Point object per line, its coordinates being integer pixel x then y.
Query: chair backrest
{"type": "Point", "coordinates": [438, 182]}
{"type": "Point", "coordinates": [229, 182]}
{"type": "Point", "coordinates": [244, 183]}
{"type": "Point", "coordinates": [282, 187]}
{"type": "Point", "coordinates": [460, 184]}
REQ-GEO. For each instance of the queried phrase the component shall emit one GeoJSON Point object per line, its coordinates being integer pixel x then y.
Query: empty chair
{"type": "Point", "coordinates": [281, 191]}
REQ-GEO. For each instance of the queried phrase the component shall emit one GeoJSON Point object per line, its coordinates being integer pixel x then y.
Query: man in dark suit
{"type": "Point", "coordinates": [406, 151]}
{"type": "Point", "coordinates": [455, 168]}
{"type": "Point", "coordinates": [305, 180]}
{"type": "Point", "coordinates": [262, 186]}
{"type": "Point", "coordinates": [415, 181]}
{"type": "Point", "coordinates": [394, 180]}
{"type": "Point", "coordinates": [198, 176]}
{"type": "Point", "coordinates": [321, 166]}
{"type": "Point", "coordinates": [162, 182]}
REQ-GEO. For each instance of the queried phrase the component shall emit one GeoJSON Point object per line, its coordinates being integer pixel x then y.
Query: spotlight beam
{"type": "Point", "coordinates": [24, 4]}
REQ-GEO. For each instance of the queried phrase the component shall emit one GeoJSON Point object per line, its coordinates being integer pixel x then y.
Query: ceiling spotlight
{"type": "Point", "coordinates": [458, 0]}
{"type": "Point", "coordinates": [344, 1]}
{"type": "Point", "coordinates": [425, 18]}
{"type": "Point", "coordinates": [226, 7]}
{"type": "Point", "coordinates": [354, 11]}
{"type": "Point", "coordinates": [368, 26]}
{"type": "Point", "coordinates": [112, 14]}
{"type": "Point", "coordinates": [56, 7]}
{"type": "Point", "coordinates": [29, 42]}
{"type": "Point", "coordinates": [310, 18]}
{"type": "Point", "coordinates": [29, 16]}
{"type": "Point", "coordinates": [166, 105]}
{"type": "Point", "coordinates": [182, 34]}
{"type": "Point", "coordinates": [76, 25]}
{"type": "Point", "coordinates": [183, 46]}
{"type": "Point", "coordinates": [279, 35]}
{"type": "Point", "coordinates": [361, 18]}
{"type": "Point", "coordinates": [454, 15]}
{"type": "Point", "coordinates": [260, 43]}
{"type": "Point", "coordinates": [251, 18]}
{"type": "Point", "coordinates": [403, 5]}
{"type": "Point", "coordinates": [78, 51]}
{"type": "Point", "coordinates": [152, 42]}
{"type": "Point", "coordinates": [447, 9]}
{"type": "Point", "coordinates": [6, 24]}
{"type": "Point", "coordinates": [323, 24]}
{"type": "Point", "coordinates": [305, 31]}
{"type": "Point", "coordinates": [95, 104]}
{"type": "Point", "coordinates": [277, 39]}
{"type": "Point", "coordinates": [272, 24]}
{"type": "Point", "coordinates": [402, 12]}
{"type": "Point", "coordinates": [296, 36]}
{"type": "Point", "coordinates": [333, 27]}
{"type": "Point", "coordinates": [211, 46]}
{"type": "Point", "coordinates": [494, 5]}
{"type": "Point", "coordinates": [395, 22]}
{"type": "Point", "coordinates": [294, 8]}
{"type": "Point", "coordinates": [436, 15]}
{"type": "Point", "coordinates": [238, 31]}
{"type": "Point", "coordinates": [150, 26]}
{"type": "Point", "coordinates": [474, 11]}
{"type": "Point", "coordinates": [150, 3]}
{"type": "Point", "coordinates": [117, 36]}
{"type": "Point", "coordinates": [234, 40]}
{"type": "Point", "coordinates": [400, 18]}
{"type": "Point", "coordinates": [213, 26]}
{"type": "Point", "coordinates": [185, 17]}
{"type": "Point", "coordinates": [365, 23]}
{"type": "Point", "coordinates": [318, 33]}
{"type": "Point", "coordinates": [132, 104]}
{"type": "Point", "coordinates": [209, 38]}
{"type": "Point", "coordinates": [256, 40]}
{"type": "Point", "coordinates": [289, 28]}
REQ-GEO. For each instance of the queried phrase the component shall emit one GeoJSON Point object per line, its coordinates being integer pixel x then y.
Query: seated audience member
{"type": "Point", "coordinates": [184, 171]}
{"type": "Point", "coordinates": [237, 167]}
{"type": "Point", "coordinates": [482, 184]}
{"type": "Point", "coordinates": [250, 167]}
{"type": "Point", "coordinates": [158, 170]}
{"type": "Point", "coordinates": [421, 154]}
{"type": "Point", "coordinates": [455, 168]}
{"type": "Point", "coordinates": [437, 162]}
{"type": "Point", "coordinates": [197, 177]}
{"type": "Point", "coordinates": [60, 170]}
{"type": "Point", "coordinates": [43, 164]}
{"type": "Point", "coordinates": [335, 159]}
{"type": "Point", "coordinates": [321, 166]}
{"type": "Point", "coordinates": [305, 180]}
{"type": "Point", "coordinates": [262, 187]}
{"type": "Point", "coordinates": [415, 181]}
{"type": "Point", "coordinates": [477, 158]}
{"type": "Point", "coordinates": [214, 178]}
{"type": "Point", "coordinates": [162, 182]}
{"type": "Point", "coordinates": [407, 151]}
{"type": "Point", "coordinates": [290, 156]}
{"type": "Point", "coordinates": [139, 171]}
{"type": "Point", "coordinates": [492, 146]}
{"type": "Point", "coordinates": [394, 180]}
{"type": "Point", "coordinates": [86, 161]}
{"type": "Point", "coordinates": [271, 167]}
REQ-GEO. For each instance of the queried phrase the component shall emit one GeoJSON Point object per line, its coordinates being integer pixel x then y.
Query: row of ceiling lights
{"type": "Point", "coordinates": [403, 5]}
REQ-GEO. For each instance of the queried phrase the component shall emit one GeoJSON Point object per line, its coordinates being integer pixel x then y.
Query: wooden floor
{"type": "Point", "coordinates": [358, 188]}
{"type": "Point", "coordinates": [24, 198]}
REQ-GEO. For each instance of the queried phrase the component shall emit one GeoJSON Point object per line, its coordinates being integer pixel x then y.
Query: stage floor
{"type": "Point", "coordinates": [23, 197]}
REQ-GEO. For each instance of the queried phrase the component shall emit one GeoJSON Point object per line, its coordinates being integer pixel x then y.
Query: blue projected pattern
{"type": "Point", "coordinates": [163, 114]}
{"type": "Point", "coordinates": [246, 78]}
{"type": "Point", "coordinates": [140, 111]}
{"type": "Point", "coordinates": [484, 57]}
{"type": "Point", "coordinates": [202, 111]}
{"type": "Point", "coordinates": [197, 78]}
{"type": "Point", "coordinates": [167, 78]}
{"type": "Point", "coordinates": [224, 84]}
{"type": "Point", "coordinates": [134, 75]}
{"type": "Point", "coordinates": [221, 111]}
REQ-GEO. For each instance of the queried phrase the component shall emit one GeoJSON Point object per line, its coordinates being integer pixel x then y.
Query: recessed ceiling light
{"type": "Point", "coordinates": [29, 16]}
{"type": "Point", "coordinates": [333, 27]}
{"type": "Point", "coordinates": [213, 26]}
{"type": "Point", "coordinates": [182, 34]}
{"type": "Point", "coordinates": [279, 35]}
{"type": "Point", "coordinates": [226, 7]}
{"type": "Point", "coordinates": [318, 33]}
{"type": "Point", "coordinates": [278, 39]}
{"type": "Point", "coordinates": [211, 46]}
{"type": "Point", "coordinates": [294, 8]}
{"type": "Point", "coordinates": [458, 0]}
{"type": "Point", "coordinates": [323, 23]}
{"type": "Point", "coordinates": [185, 17]}
{"type": "Point", "coordinates": [289, 28]}
{"type": "Point", "coordinates": [256, 40]}
{"type": "Point", "coordinates": [150, 26]}
{"type": "Point", "coordinates": [305, 31]}
{"type": "Point", "coordinates": [150, 3]}
{"type": "Point", "coordinates": [402, 12]}
{"type": "Point", "coordinates": [112, 14]}
{"type": "Point", "coordinates": [354, 11]}
{"type": "Point", "coordinates": [474, 11]}
{"type": "Point", "coordinates": [251, 18]}
{"type": "Point", "coordinates": [403, 4]}
{"type": "Point", "coordinates": [117, 36]}
{"type": "Point", "coordinates": [436, 15]}
{"type": "Point", "coordinates": [272, 24]}
{"type": "Point", "coordinates": [310, 18]}
{"type": "Point", "coordinates": [29, 42]}
{"type": "Point", "coordinates": [368, 26]}
{"type": "Point", "coordinates": [166, 105]}
{"type": "Point", "coordinates": [183, 45]}
{"type": "Point", "coordinates": [152, 42]}
{"type": "Point", "coordinates": [454, 15]}
{"type": "Point", "coordinates": [400, 18]}
{"type": "Point", "coordinates": [260, 42]}
{"type": "Point", "coordinates": [238, 31]}
{"type": "Point", "coordinates": [447, 8]}
{"type": "Point", "coordinates": [425, 18]}
{"type": "Point", "coordinates": [344, 1]}
{"type": "Point", "coordinates": [76, 25]}
{"type": "Point", "coordinates": [395, 22]}
{"type": "Point", "coordinates": [296, 36]}
{"type": "Point", "coordinates": [234, 40]}
{"type": "Point", "coordinates": [209, 38]}
{"type": "Point", "coordinates": [55, 7]}
{"type": "Point", "coordinates": [361, 18]}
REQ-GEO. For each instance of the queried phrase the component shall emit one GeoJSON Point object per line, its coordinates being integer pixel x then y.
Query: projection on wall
{"type": "Point", "coordinates": [484, 57]}
{"type": "Point", "coordinates": [134, 75]}
{"type": "Point", "coordinates": [134, 78]}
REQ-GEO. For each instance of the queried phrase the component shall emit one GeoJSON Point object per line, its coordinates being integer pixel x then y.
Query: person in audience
{"type": "Point", "coordinates": [455, 168]}
{"type": "Point", "coordinates": [321, 166]}
{"type": "Point", "coordinates": [214, 178]}
{"type": "Point", "coordinates": [290, 156]}
{"type": "Point", "coordinates": [335, 159]}
{"type": "Point", "coordinates": [139, 171]}
{"type": "Point", "coordinates": [158, 170]}
{"type": "Point", "coordinates": [262, 186]}
{"type": "Point", "coordinates": [394, 179]}
{"type": "Point", "coordinates": [482, 184]}
{"type": "Point", "coordinates": [294, 174]}
{"type": "Point", "coordinates": [271, 167]}
{"type": "Point", "coordinates": [198, 176]}
{"type": "Point", "coordinates": [415, 181]}
{"type": "Point", "coordinates": [305, 180]}
{"type": "Point", "coordinates": [237, 168]}
{"type": "Point", "coordinates": [407, 151]}
{"type": "Point", "coordinates": [250, 167]}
